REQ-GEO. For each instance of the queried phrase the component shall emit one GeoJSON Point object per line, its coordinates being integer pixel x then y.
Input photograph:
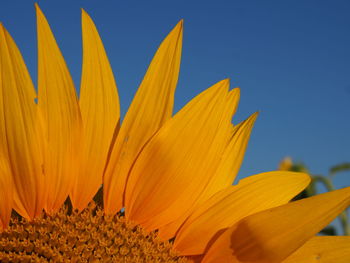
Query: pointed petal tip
{"type": "Point", "coordinates": [237, 91]}
{"type": "Point", "coordinates": [4, 30]}
{"type": "Point", "coordinates": [84, 13]}
{"type": "Point", "coordinates": [2, 27]}
{"type": "Point", "coordinates": [86, 18]}
{"type": "Point", "coordinates": [179, 26]}
{"type": "Point", "coordinates": [252, 118]}
{"type": "Point", "coordinates": [37, 8]}
{"type": "Point", "coordinates": [223, 85]}
{"type": "Point", "coordinates": [225, 82]}
{"type": "Point", "coordinates": [39, 12]}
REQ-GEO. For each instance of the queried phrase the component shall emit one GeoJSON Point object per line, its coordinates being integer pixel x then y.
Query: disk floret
{"type": "Point", "coordinates": [89, 236]}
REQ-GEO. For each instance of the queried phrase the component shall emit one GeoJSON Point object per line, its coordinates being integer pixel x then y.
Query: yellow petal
{"type": "Point", "coordinates": [194, 259]}
{"type": "Point", "coordinates": [251, 195]}
{"type": "Point", "coordinates": [20, 124]}
{"type": "Point", "coordinates": [232, 158]}
{"type": "Point", "coordinates": [151, 107]}
{"type": "Point", "coordinates": [58, 104]}
{"type": "Point", "coordinates": [273, 235]}
{"type": "Point", "coordinates": [6, 184]}
{"type": "Point", "coordinates": [233, 100]}
{"type": "Point", "coordinates": [6, 192]}
{"type": "Point", "coordinates": [175, 166]}
{"type": "Point", "coordinates": [99, 105]}
{"type": "Point", "coordinates": [322, 249]}
{"type": "Point", "coordinates": [224, 175]}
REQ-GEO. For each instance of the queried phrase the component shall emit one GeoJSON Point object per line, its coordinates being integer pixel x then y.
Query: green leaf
{"type": "Point", "coordinates": [339, 168]}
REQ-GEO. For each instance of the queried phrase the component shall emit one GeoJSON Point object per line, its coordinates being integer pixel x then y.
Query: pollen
{"type": "Point", "coordinates": [89, 236]}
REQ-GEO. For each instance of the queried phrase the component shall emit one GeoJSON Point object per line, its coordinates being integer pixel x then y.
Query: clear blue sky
{"type": "Point", "coordinates": [290, 58]}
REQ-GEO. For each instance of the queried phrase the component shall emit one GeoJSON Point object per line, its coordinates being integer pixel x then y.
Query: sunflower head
{"type": "Point", "coordinates": [167, 193]}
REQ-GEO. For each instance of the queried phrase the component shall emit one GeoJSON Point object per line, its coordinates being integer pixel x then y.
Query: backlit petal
{"type": "Point", "coordinates": [322, 249]}
{"type": "Point", "coordinates": [233, 156]}
{"type": "Point", "coordinates": [58, 104]}
{"type": "Point", "coordinates": [224, 175]}
{"type": "Point", "coordinates": [20, 124]}
{"type": "Point", "coordinates": [251, 195]}
{"type": "Point", "coordinates": [99, 105]}
{"type": "Point", "coordinates": [273, 235]}
{"type": "Point", "coordinates": [175, 166]}
{"type": "Point", "coordinates": [151, 107]}
{"type": "Point", "coordinates": [6, 192]}
{"type": "Point", "coordinates": [6, 184]}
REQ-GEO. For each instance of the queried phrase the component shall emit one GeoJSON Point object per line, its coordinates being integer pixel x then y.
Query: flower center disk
{"type": "Point", "coordinates": [89, 236]}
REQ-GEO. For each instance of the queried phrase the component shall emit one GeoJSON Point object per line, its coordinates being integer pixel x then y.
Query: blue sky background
{"type": "Point", "coordinates": [290, 58]}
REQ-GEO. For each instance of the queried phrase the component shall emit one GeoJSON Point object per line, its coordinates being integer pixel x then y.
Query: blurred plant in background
{"type": "Point", "coordinates": [320, 180]}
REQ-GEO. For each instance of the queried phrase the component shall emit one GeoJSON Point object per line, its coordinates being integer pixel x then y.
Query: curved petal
{"type": "Point", "coordinates": [58, 104]}
{"type": "Point", "coordinates": [195, 259]}
{"type": "Point", "coordinates": [6, 192]}
{"type": "Point", "coordinates": [251, 195]}
{"type": "Point", "coordinates": [322, 249]}
{"type": "Point", "coordinates": [151, 107]}
{"type": "Point", "coordinates": [272, 235]}
{"type": "Point", "coordinates": [6, 184]}
{"type": "Point", "coordinates": [224, 175]}
{"type": "Point", "coordinates": [174, 168]}
{"type": "Point", "coordinates": [232, 157]}
{"type": "Point", "coordinates": [20, 129]}
{"type": "Point", "coordinates": [99, 105]}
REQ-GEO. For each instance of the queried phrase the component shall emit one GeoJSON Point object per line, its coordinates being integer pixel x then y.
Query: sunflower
{"type": "Point", "coordinates": [166, 180]}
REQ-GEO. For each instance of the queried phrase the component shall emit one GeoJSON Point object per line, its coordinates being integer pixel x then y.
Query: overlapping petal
{"type": "Point", "coordinates": [20, 136]}
{"type": "Point", "coordinates": [272, 235]}
{"type": "Point", "coordinates": [6, 192]}
{"type": "Point", "coordinates": [251, 195]}
{"type": "Point", "coordinates": [99, 105]}
{"type": "Point", "coordinates": [322, 249]}
{"type": "Point", "coordinates": [6, 184]}
{"type": "Point", "coordinates": [225, 173]}
{"type": "Point", "coordinates": [59, 107]}
{"type": "Point", "coordinates": [173, 174]}
{"type": "Point", "coordinates": [151, 107]}
{"type": "Point", "coordinates": [174, 168]}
